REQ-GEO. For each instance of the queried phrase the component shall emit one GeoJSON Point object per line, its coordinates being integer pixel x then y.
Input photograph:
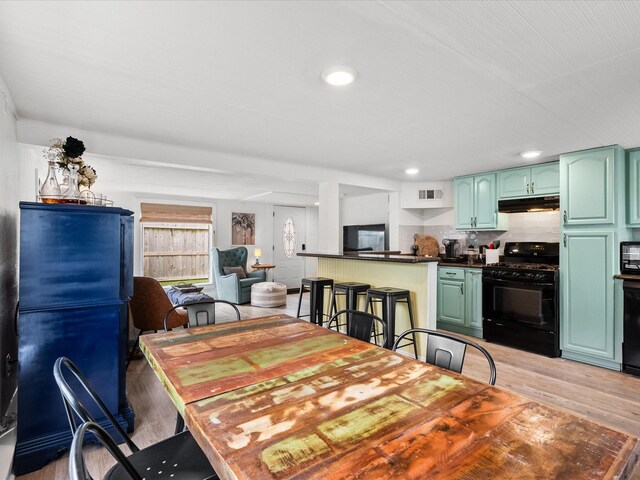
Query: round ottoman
{"type": "Point", "coordinates": [268, 294]}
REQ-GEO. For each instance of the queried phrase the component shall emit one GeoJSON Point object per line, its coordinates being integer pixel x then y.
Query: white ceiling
{"type": "Point", "coordinates": [450, 87]}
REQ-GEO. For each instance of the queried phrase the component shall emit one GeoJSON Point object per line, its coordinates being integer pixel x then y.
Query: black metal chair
{"type": "Point", "coordinates": [200, 313]}
{"type": "Point", "coordinates": [180, 450]}
{"type": "Point", "coordinates": [360, 325]}
{"type": "Point", "coordinates": [448, 351]}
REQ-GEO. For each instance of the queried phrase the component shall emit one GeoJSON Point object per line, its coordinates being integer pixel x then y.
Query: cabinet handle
{"type": "Point", "coordinates": [564, 239]}
{"type": "Point", "coordinates": [533, 187]}
{"type": "Point", "coordinates": [471, 221]}
{"type": "Point", "coordinates": [564, 216]}
{"type": "Point", "coordinates": [525, 184]}
{"type": "Point", "coordinates": [462, 288]}
{"type": "Point", "coordinates": [450, 273]}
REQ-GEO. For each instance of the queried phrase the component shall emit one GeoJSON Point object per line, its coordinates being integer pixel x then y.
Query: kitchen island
{"type": "Point", "coordinates": [417, 274]}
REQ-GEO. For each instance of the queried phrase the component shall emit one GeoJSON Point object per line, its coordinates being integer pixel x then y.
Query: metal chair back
{"type": "Point", "coordinates": [77, 466]}
{"type": "Point", "coordinates": [448, 351]}
{"type": "Point", "coordinates": [360, 325]}
{"type": "Point", "coordinates": [73, 404]}
{"type": "Point", "coordinates": [200, 313]}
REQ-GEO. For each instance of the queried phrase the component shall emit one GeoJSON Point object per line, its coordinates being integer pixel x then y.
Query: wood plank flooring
{"type": "Point", "coordinates": [607, 397]}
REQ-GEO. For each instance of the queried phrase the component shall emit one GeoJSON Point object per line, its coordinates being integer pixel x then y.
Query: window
{"type": "Point", "coordinates": [176, 241]}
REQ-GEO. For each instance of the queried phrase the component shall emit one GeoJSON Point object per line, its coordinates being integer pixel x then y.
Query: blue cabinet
{"type": "Point", "coordinates": [76, 278]}
{"type": "Point", "coordinates": [460, 300]}
{"type": "Point", "coordinates": [633, 188]}
{"type": "Point", "coordinates": [476, 203]}
{"type": "Point", "coordinates": [592, 201]}
{"type": "Point", "coordinates": [535, 181]}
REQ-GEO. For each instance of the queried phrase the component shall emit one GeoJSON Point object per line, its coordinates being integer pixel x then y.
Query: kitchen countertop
{"type": "Point", "coordinates": [461, 264]}
{"type": "Point", "coordinates": [627, 276]}
{"type": "Point", "coordinates": [377, 257]}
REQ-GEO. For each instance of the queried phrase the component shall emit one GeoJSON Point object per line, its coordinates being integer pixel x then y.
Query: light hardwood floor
{"type": "Point", "coordinates": [607, 397]}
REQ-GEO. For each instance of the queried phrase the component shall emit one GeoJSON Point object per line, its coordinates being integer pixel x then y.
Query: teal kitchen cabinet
{"type": "Point", "coordinates": [538, 180]}
{"type": "Point", "coordinates": [476, 203]}
{"type": "Point", "coordinates": [633, 188]}
{"type": "Point", "coordinates": [588, 182]}
{"type": "Point", "coordinates": [460, 300]}
{"type": "Point", "coordinates": [592, 201]}
{"type": "Point", "coordinates": [587, 266]}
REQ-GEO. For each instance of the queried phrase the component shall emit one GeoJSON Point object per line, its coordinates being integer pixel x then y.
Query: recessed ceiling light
{"type": "Point", "coordinates": [317, 203]}
{"type": "Point", "coordinates": [411, 171]}
{"type": "Point", "coordinates": [531, 154]}
{"type": "Point", "coordinates": [339, 76]}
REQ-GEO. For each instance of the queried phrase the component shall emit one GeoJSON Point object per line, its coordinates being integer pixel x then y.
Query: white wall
{"type": "Point", "coordinates": [9, 217]}
{"type": "Point", "coordinates": [365, 209]}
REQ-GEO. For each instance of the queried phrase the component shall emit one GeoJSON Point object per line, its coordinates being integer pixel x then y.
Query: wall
{"type": "Point", "coordinates": [9, 197]}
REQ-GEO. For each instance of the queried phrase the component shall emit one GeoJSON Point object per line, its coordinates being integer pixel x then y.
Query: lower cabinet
{"type": "Point", "coordinates": [460, 300]}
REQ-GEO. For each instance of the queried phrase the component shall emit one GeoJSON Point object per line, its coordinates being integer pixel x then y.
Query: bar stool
{"type": "Point", "coordinates": [316, 286]}
{"type": "Point", "coordinates": [351, 290]}
{"type": "Point", "coordinates": [390, 296]}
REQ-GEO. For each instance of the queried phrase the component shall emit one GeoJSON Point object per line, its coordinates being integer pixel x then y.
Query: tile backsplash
{"type": "Point", "coordinates": [523, 227]}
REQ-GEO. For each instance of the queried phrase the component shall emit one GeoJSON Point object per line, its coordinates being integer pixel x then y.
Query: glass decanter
{"type": "Point", "coordinates": [50, 189]}
{"type": "Point", "coordinates": [72, 193]}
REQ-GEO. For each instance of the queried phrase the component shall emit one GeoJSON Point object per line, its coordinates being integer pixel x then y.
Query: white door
{"type": "Point", "coordinates": [288, 237]}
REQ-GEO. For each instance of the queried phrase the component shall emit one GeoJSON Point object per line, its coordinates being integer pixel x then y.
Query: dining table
{"type": "Point", "coordinates": [280, 398]}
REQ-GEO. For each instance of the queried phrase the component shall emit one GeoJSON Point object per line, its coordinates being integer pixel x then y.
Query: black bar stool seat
{"type": "Point", "coordinates": [390, 297]}
{"type": "Point", "coordinates": [351, 290]}
{"type": "Point", "coordinates": [315, 286]}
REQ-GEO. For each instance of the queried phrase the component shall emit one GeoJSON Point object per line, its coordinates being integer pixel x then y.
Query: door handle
{"type": "Point", "coordinates": [564, 239]}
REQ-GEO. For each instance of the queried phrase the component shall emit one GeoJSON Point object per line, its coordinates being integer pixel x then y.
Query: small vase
{"type": "Point", "coordinates": [72, 193]}
{"type": "Point", "coordinates": [50, 189]}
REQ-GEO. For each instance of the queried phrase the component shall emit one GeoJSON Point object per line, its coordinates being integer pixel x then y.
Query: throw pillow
{"type": "Point", "coordinates": [238, 270]}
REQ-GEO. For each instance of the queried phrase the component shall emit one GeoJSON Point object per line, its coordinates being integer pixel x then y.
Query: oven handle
{"type": "Point", "coordinates": [497, 281]}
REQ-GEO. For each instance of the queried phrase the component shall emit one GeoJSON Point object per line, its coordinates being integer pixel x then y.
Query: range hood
{"type": "Point", "coordinates": [535, 204]}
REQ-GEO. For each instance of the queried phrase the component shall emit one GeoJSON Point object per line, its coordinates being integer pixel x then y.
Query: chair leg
{"type": "Point", "coordinates": [180, 427]}
{"type": "Point", "coordinates": [415, 345]}
{"type": "Point", "coordinates": [300, 300]}
{"type": "Point", "coordinates": [133, 349]}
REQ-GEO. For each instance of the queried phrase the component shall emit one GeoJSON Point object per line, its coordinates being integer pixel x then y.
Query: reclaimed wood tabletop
{"type": "Point", "coordinates": [278, 397]}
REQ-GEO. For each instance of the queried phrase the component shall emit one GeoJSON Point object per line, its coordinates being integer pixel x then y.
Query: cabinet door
{"type": "Point", "coordinates": [633, 190]}
{"type": "Point", "coordinates": [545, 179]}
{"type": "Point", "coordinates": [463, 202]}
{"type": "Point", "coordinates": [451, 301]}
{"type": "Point", "coordinates": [486, 201]}
{"type": "Point", "coordinates": [587, 187]}
{"type": "Point", "coordinates": [587, 300]}
{"type": "Point", "coordinates": [473, 283]}
{"type": "Point", "coordinates": [514, 183]}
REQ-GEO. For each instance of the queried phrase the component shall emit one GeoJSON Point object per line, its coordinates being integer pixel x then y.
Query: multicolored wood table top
{"type": "Point", "coordinates": [277, 397]}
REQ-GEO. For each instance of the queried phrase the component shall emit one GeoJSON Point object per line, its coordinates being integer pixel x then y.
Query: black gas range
{"type": "Point", "coordinates": [520, 298]}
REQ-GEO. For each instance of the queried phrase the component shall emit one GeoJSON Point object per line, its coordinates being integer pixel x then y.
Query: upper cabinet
{"type": "Point", "coordinates": [536, 181]}
{"type": "Point", "coordinates": [476, 203]}
{"type": "Point", "coordinates": [633, 188]}
{"type": "Point", "coordinates": [588, 180]}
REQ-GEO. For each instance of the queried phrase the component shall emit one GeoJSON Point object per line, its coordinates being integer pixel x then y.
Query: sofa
{"type": "Point", "coordinates": [229, 268]}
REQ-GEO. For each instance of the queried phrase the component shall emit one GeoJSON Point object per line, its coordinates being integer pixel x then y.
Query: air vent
{"type": "Point", "coordinates": [430, 194]}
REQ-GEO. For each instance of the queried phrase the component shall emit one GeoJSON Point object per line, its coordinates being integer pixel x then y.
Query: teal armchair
{"type": "Point", "coordinates": [230, 286]}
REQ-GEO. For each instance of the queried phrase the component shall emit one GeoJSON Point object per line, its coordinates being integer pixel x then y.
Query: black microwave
{"type": "Point", "coordinates": [630, 257]}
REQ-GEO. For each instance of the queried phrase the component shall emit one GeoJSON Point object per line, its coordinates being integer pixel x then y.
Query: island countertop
{"type": "Point", "coordinates": [377, 257]}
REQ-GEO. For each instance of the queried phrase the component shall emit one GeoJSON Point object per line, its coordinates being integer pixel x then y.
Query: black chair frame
{"type": "Point", "coordinates": [360, 325]}
{"type": "Point", "coordinates": [448, 351]}
{"type": "Point", "coordinates": [198, 309]}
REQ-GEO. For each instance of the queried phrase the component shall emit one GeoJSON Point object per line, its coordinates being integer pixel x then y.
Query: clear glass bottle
{"type": "Point", "coordinates": [72, 193]}
{"type": "Point", "coordinates": [50, 189]}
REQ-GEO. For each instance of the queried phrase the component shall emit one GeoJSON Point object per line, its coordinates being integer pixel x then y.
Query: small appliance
{"type": "Point", "coordinates": [630, 258]}
{"type": "Point", "coordinates": [451, 247]}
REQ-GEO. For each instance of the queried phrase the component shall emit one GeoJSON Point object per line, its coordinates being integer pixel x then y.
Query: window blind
{"type": "Point", "coordinates": [166, 213]}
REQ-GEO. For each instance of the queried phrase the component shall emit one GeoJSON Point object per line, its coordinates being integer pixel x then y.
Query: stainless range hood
{"type": "Point", "coordinates": [535, 204]}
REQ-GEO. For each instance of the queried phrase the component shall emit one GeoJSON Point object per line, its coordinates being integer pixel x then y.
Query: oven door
{"type": "Point", "coordinates": [520, 303]}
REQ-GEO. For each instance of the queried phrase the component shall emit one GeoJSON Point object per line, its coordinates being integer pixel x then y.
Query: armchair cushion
{"type": "Point", "coordinates": [237, 270]}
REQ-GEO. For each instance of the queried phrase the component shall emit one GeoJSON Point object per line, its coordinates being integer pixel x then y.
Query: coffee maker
{"type": "Point", "coordinates": [451, 247]}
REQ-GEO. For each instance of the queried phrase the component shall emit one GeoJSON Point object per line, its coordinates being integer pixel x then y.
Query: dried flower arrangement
{"type": "Point", "coordinates": [68, 152]}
